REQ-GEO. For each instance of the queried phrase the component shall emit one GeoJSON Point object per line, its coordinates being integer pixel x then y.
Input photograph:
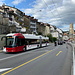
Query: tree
{"type": "Point", "coordinates": [54, 39]}
{"type": "Point", "coordinates": [39, 33]}
{"type": "Point", "coordinates": [51, 39]}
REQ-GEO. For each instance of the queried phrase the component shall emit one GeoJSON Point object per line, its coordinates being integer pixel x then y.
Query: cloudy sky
{"type": "Point", "coordinates": [55, 12]}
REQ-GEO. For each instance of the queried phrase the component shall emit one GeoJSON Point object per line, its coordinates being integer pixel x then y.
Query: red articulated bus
{"type": "Point", "coordinates": [16, 42]}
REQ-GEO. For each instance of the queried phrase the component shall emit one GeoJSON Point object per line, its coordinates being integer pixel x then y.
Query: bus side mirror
{"type": "Point", "coordinates": [3, 37]}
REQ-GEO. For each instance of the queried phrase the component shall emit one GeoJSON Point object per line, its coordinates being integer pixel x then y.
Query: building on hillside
{"type": "Point", "coordinates": [14, 20]}
{"type": "Point", "coordinates": [47, 29]}
{"type": "Point", "coordinates": [60, 32]}
{"type": "Point", "coordinates": [33, 26]}
{"type": "Point", "coordinates": [16, 17]}
{"type": "Point", "coordinates": [26, 24]}
{"type": "Point", "coordinates": [17, 20]}
{"type": "Point", "coordinates": [56, 32]}
{"type": "Point", "coordinates": [4, 21]}
{"type": "Point", "coordinates": [40, 28]}
{"type": "Point", "coordinates": [8, 19]}
{"type": "Point", "coordinates": [43, 28]}
{"type": "Point", "coordinates": [65, 36]}
{"type": "Point", "coordinates": [53, 31]}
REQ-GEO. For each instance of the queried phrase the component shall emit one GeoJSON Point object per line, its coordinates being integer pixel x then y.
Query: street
{"type": "Point", "coordinates": [50, 60]}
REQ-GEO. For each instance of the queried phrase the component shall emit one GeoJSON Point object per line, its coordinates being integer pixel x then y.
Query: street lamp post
{"type": "Point", "coordinates": [40, 41]}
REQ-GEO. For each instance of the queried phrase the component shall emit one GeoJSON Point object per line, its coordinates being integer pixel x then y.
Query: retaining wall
{"type": "Point", "coordinates": [1, 42]}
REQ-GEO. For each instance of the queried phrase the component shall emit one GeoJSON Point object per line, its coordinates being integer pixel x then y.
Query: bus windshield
{"type": "Point", "coordinates": [9, 41]}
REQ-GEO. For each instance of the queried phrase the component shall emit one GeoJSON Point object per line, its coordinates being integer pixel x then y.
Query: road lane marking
{"type": "Point", "coordinates": [58, 53]}
{"type": "Point", "coordinates": [26, 63]}
{"type": "Point", "coordinates": [20, 54]}
{"type": "Point", "coordinates": [5, 69]}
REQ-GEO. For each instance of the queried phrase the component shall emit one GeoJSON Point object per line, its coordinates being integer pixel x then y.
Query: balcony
{"type": "Point", "coordinates": [21, 19]}
{"type": "Point", "coordinates": [16, 23]}
{"type": "Point", "coordinates": [10, 23]}
{"type": "Point", "coordinates": [13, 23]}
{"type": "Point", "coordinates": [19, 13]}
{"type": "Point", "coordinates": [34, 27]}
{"type": "Point", "coordinates": [5, 15]}
{"type": "Point", "coordinates": [11, 12]}
{"type": "Point", "coordinates": [34, 23]}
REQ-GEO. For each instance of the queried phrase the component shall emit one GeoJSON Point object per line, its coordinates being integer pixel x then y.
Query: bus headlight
{"type": "Point", "coordinates": [4, 49]}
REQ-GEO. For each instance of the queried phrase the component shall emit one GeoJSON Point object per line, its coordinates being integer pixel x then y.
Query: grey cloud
{"type": "Point", "coordinates": [59, 13]}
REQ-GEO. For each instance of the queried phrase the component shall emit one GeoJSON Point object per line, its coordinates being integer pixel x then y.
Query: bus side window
{"type": "Point", "coordinates": [25, 42]}
{"type": "Point", "coordinates": [22, 41]}
{"type": "Point", "coordinates": [18, 42]}
{"type": "Point", "coordinates": [10, 42]}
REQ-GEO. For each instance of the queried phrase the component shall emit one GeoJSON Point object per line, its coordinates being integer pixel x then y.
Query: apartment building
{"type": "Point", "coordinates": [32, 27]}
{"type": "Point", "coordinates": [56, 32]}
{"type": "Point", "coordinates": [47, 29]}
{"type": "Point", "coordinates": [15, 17]}
{"type": "Point", "coordinates": [3, 22]}
{"type": "Point", "coordinates": [65, 36]}
{"type": "Point", "coordinates": [14, 20]}
{"type": "Point", "coordinates": [17, 20]}
{"type": "Point", "coordinates": [60, 33]}
{"type": "Point", "coordinates": [43, 28]}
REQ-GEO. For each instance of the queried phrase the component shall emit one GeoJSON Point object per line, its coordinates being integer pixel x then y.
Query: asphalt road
{"type": "Point", "coordinates": [49, 60]}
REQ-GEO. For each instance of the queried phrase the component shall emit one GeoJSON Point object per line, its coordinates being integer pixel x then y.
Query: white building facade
{"type": "Point", "coordinates": [56, 32]}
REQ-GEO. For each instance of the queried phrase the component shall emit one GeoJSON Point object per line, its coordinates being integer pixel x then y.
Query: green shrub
{"type": "Point", "coordinates": [51, 39]}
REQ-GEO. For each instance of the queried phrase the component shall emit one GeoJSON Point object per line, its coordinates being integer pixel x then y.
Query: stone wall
{"type": "Point", "coordinates": [1, 42]}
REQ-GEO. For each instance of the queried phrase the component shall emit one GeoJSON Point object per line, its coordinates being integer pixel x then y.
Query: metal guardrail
{"type": "Point", "coordinates": [73, 59]}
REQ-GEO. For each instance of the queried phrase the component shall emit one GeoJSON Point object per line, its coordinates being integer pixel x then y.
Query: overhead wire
{"type": "Point", "coordinates": [57, 11]}
{"type": "Point", "coordinates": [55, 7]}
{"type": "Point", "coordinates": [47, 6]}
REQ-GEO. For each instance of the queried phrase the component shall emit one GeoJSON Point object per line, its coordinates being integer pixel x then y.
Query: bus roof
{"type": "Point", "coordinates": [28, 36]}
{"type": "Point", "coordinates": [33, 36]}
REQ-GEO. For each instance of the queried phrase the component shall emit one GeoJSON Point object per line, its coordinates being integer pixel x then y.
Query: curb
{"type": "Point", "coordinates": [73, 61]}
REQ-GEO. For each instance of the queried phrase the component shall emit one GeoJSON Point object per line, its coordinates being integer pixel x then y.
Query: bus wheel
{"type": "Point", "coordinates": [46, 44]}
{"type": "Point", "coordinates": [37, 46]}
{"type": "Point", "coordinates": [24, 49]}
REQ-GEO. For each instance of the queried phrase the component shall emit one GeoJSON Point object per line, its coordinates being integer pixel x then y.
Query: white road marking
{"type": "Point", "coordinates": [11, 56]}
{"type": "Point", "coordinates": [5, 69]}
{"type": "Point", "coordinates": [19, 55]}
